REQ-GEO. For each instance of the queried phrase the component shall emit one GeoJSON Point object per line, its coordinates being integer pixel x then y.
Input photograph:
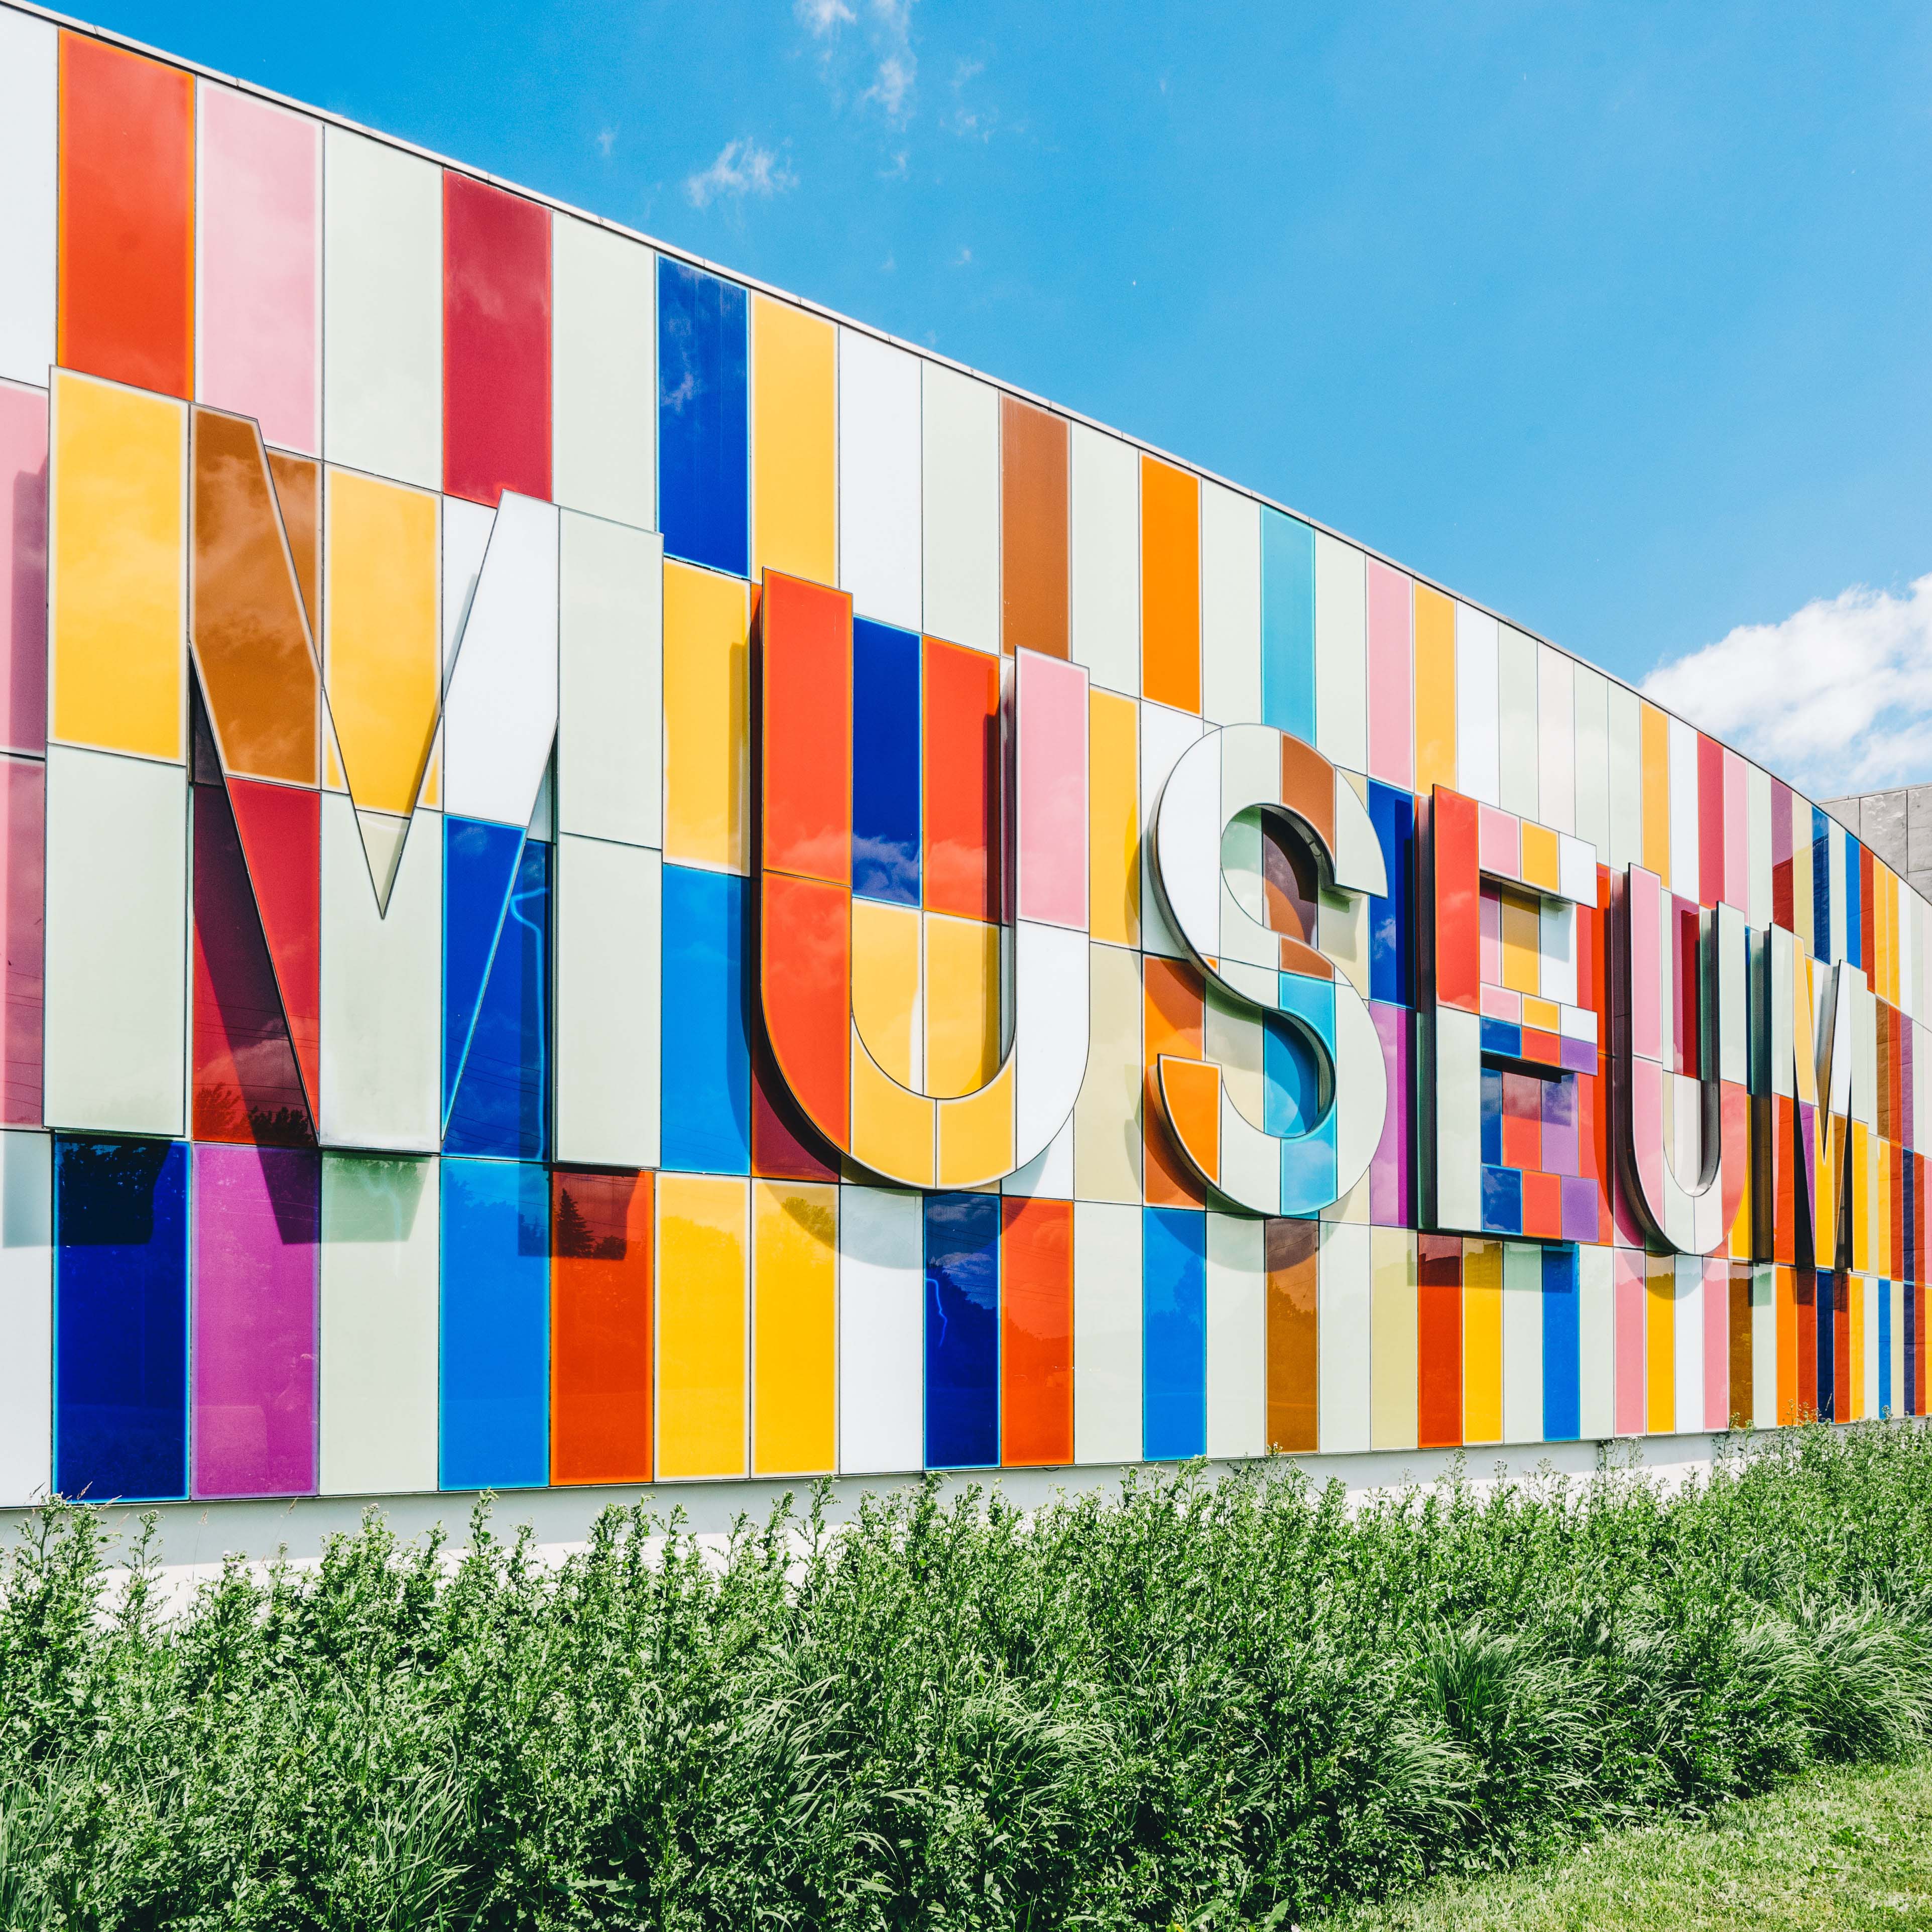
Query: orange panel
{"type": "Point", "coordinates": [1293, 1252]}
{"type": "Point", "coordinates": [1170, 586]}
{"type": "Point", "coordinates": [127, 218]}
{"type": "Point", "coordinates": [806, 979]}
{"type": "Point", "coordinates": [805, 644]}
{"type": "Point", "coordinates": [1037, 1333]}
{"type": "Point", "coordinates": [963, 780]}
{"type": "Point", "coordinates": [1032, 529]}
{"type": "Point", "coordinates": [1191, 1093]}
{"type": "Point", "coordinates": [1173, 1004]}
{"type": "Point", "coordinates": [298, 480]}
{"type": "Point", "coordinates": [600, 1363]}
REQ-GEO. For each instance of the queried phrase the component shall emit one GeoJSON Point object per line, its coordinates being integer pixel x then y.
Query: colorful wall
{"type": "Point", "coordinates": [609, 878]}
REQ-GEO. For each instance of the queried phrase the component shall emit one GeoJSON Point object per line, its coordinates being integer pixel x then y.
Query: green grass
{"type": "Point", "coordinates": [1210, 1704]}
{"type": "Point", "coordinates": [1845, 1848]}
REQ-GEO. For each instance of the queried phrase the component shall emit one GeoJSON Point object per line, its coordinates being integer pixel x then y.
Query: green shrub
{"type": "Point", "coordinates": [1199, 1702]}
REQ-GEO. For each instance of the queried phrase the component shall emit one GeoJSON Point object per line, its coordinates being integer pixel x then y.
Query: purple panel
{"type": "Point", "coordinates": [257, 1212]}
{"type": "Point", "coordinates": [1559, 1126]}
{"type": "Point", "coordinates": [1579, 1210]}
{"type": "Point", "coordinates": [1578, 1056]}
{"type": "Point", "coordinates": [1389, 1188]}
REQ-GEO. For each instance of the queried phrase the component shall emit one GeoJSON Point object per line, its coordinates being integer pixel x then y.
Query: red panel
{"type": "Point", "coordinates": [127, 218]}
{"type": "Point", "coordinates": [785, 1145]}
{"type": "Point", "coordinates": [1841, 1345]}
{"type": "Point", "coordinates": [247, 1086]}
{"type": "Point", "coordinates": [600, 1363]}
{"type": "Point", "coordinates": [1546, 1049]}
{"type": "Point", "coordinates": [23, 850]}
{"type": "Point", "coordinates": [496, 342]}
{"type": "Point", "coordinates": [804, 648]}
{"type": "Point", "coordinates": [1522, 1121]}
{"type": "Point", "coordinates": [280, 829]}
{"type": "Point", "coordinates": [1439, 1339]}
{"type": "Point", "coordinates": [805, 950]}
{"type": "Point", "coordinates": [1543, 1207]}
{"type": "Point", "coordinates": [963, 780]}
{"type": "Point", "coordinates": [1710, 820]}
{"type": "Point", "coordinates": [1458, 915]}
{"type": "Point", "coordinates": [1780, 857]}
{"type": "Point", "coordinates": [1867, 940]}
{"type": "Point", "coordinates": [1036, 1332]}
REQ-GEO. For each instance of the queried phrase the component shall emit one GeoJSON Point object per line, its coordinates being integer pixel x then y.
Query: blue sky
{"type": "Point", "coordinates": [1615, 318]}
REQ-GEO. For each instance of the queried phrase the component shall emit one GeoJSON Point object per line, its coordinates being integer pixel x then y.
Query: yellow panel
{"type": "Point", "coordinates": [706, 720]}
{"type": "Point", "coordinates": [794, 1306]}
{"type": "Point", "coordinates": [1539, 857]}
{"type": "Point", "coordinates": [962, 1004]}
{"type": "Point", "coordinates": [1107, 1117]}
{"type": "Point", "coordinates": [794, 432]}
{"type": "Point", "coordinates": [1482, 1341]}
{"type": "Point", "coordinates": [701, 1275]}
{"type": "Point", "coordinates": [383, 654]}
{"type": "Point", "coordinates": [1393, 1420]}
{"type": "Point", "coordinates": [885, 986]}
{"type": "Point", "coordinates": [1655, 742]}
{"type": "Point", "coordinates": [1113, 806]}
{"type": "Point", "coordinates": [1544, 1015]}
{"type": "Point", "coordinates": [1435, 689]}
{"type": "Point", "coordinates": [1660, 1343]}
{"type": "Point", "coordinates": [1522, 943]}
{"type": "Point", "coordinates": [891, 1129]}
{"type": "Point", "coordinates": [976, 1135]}
{"type": "Point", "coordinates": [119, 569]}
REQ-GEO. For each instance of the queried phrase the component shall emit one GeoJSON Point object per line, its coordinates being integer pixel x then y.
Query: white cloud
{"type": "Point", "coordinates": [742, 168]}
{"type": "Point", "coordinates": [888, 27]}
{"type": "Point", "coordinates": [607, 139]}
{"type": "Point", "coordinates": [893, 83]}
{"type": "Point", "coordinates": [822, 17]}
{"type": "Point", "coordinates": [1836, 698]}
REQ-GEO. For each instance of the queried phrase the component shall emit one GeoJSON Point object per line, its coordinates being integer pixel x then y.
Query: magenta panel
{"type": "Point", "coordinates": [23, 568]}
{"type": "Point", "coordinates": [257, 1214]}
{"type": "Point", "coordinates": [1717, 1343]}
{"type": "Point", "coordinates": [1390, 1192]}
{"type": "Point", "coordinates": [1391, 676]}
{"type": "Point", "coordinates": [23, 801]}
{"type": "Point", "coordinates": [1629, 1342]}
{"type": "Point", "coordinates": [258, 223]}
{"type": "Point", "coordinates": [1052, 791]}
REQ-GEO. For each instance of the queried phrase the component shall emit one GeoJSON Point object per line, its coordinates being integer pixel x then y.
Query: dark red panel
{"type": "Point", "coordinates": [963, 763]}
{"type": "Point", "coordinates": [1036, 1332]}
{"type": "Point", "coordinates": [496, 342]}
{"type": "Point", "coordinates": [785, 1145]}
{"type": "Point", "coordinates": [1438, 1339]}
{"type": "Point", "coordinates": [805, 649]}
{"type": "Point", "coordinates": [600, 1373]}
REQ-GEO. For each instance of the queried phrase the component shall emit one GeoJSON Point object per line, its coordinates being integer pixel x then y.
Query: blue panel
{"type": "Point", "coordinates": [1821, 893]}
{"type": "Point", "coordinates": [1562, 1383]}
{"type": "Point", "coordinates": [1309, 1169]}
{"type": "Point", "coordinates": [1885, 1395]}
{"type": "Point", "coordinates": [1174, 1333]}
{"type": "Point", "coordinates": [1909, 1259]}
{"type": "Point", "coordinates": [1492, 1116]}
{"type": "Point", "coordinates": [1827, 1305]}
{"type": "Point", "coordinates": [885, 768]}
{"type": "Point", "coordinates": [120, 1318]}
{"type": "Point", "coordinates": [1499, 1037]}
{"type": "Point", "coordinates": [962, 1330]}
{"type": "Point", "coordinates": [495, 1431]}
{"type": "Point", "coordinates": [479, 869]}
{"type": "Point", "coordinates": [1854, 886]}
{"type": "Point", "coordinates": [1391, 920]}
{"type": "Point", "coordinates": [1291, 1076]}
{"type": "Point", "coordinates": [706, 1051]}
{"type": "Point", "coordinates": [1288, 625]}
{"type": "Point", "coordinates": [503, 1100]}
{"type": "Point", "coordinates": [1502, 1200]}
{"type": "Point", "coordinates": [1910, 1347]}
{"type": "Point", "coordinates": [703, 438]}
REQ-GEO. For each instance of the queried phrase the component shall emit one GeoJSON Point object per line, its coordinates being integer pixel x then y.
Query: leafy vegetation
{"type": "Point", "coordinates": [1192, 1702]}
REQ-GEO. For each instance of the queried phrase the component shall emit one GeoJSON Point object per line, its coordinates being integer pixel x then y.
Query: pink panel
{"type": "Point", "coordinates": [23, 568]}
{"type": "Point", "coordinates": [23, 801]}
{"type": "Point", "coordinates": [1642, 905]}
{"type": "Point", "coordinates": [1052, 759]}
{"type": "Point", "coordinates": [1737, 833]}
{"type": "Point", "coordinates": [1629, 1345]}
{"type": "Point", "coordinates": [1499, 842]}
{"type": "Point", "coordinates": [1716, 1344]}
{"type": "Point", "coordinates": [260, 226]}
{"type": "Point", "coordinates": [1391, 676]}
{"type": "Point", "coordinates": [1490, 945]}
{"type": "Point", "coordinates": [257, 1212]}
{"type": "Point", "coordinates": [1646, 1101]}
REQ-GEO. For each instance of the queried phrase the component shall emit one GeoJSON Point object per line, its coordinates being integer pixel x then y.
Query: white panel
{"type": "Point", "coordinates": [604, 335]}
{"type": "Point", "coordinates": [1361, 1096]}
{"type": "Point", "coordinates": [1185, 848]}
{"type": "Point", "coordinates": [1343, 1328]}
{"type": "Point", "coordinates": [1341, 653]}
{"type": "Point", "coordinates": [1230, 608]}
{"type": "Point", "coordinates": [382, 989]}
{"type": "Point", "coordinates": [499, 717]}
{"type": "Point", "coordinates": [1871, 1287]}
{"type": "Point", "coordinates": [1048, 1176]}
{"type": "Point", "coordinates": [1164, 735]}
{"type": "Point", "coordinates": [609, 925]}
{"type": "Point", "coordinates": [1596, 1343]}
{"type": "Point", "coordinates": [1835, 839]}
{"type": "Point", "coordinates": [1764, 1347]}
{"type": "Point", "coordinates": [1106, 1332]}
{"type": "Point", "coordinates": [1556, 945]}
{"type": "Point", "coordinates": [879, 560]}
{"type": "Point", "coordinates": [26, 1300]}
{"type": "Point", "coordinates": [466, 538]}
{"type": "Point", "coordinates": [1237, 1337]}
{"type": "Point", "coordinates": [1626, 730]}
{"type": "Point", "coordinates": [29, 95]}
{"type": "Point", "coordinates": [1050, 978]}
{"type": "Point", "coordinates": [881, 1331]}
{"type": "Point", "coordinates": [1685, 855]}
{"type": "Point", "coordinates": [1458, 1148]}
{"type": "Point", "coordinates": [1478, 774]}
{"type": "Point", "coordinates": [117, 923]}
{"type": "Point", "coordinates": [959, 462]}
{"type": "Point", "coordinates": [1556, 739]}
{"type": "Point", "coordinates": [1689, 1314]}
{"type": "Point", "coordinates": [1593, 757]}
{"type": "Point", "coordinates": [1522, 1343]}
{"type": "Point", "coordinates": [1104, 570]}
{"type": "Point", "coordinates": [377, 1373]}
{"type": "Point", "coordinates": [1517, 721]}
{"type": "Point", "coordinates": [610, 728]}
{"type": "Point", "coordinates": [382, 382]}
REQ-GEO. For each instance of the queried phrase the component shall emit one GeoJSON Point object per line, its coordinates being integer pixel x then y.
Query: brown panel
{"type": "Point", "coordinates": [1032, 529]}
{"type": "Point", "coordinates": [1293, 1255]}
{"type": "Point", "coordinates": [1742, 1416]}
{"type": "Point", "coordinates": [298, 480]}
{"type": "Point", "coordinates": [1308, 787]}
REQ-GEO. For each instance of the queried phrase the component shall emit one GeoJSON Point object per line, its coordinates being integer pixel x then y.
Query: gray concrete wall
{"type": "Point", "coordinates": [1896, 825]}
